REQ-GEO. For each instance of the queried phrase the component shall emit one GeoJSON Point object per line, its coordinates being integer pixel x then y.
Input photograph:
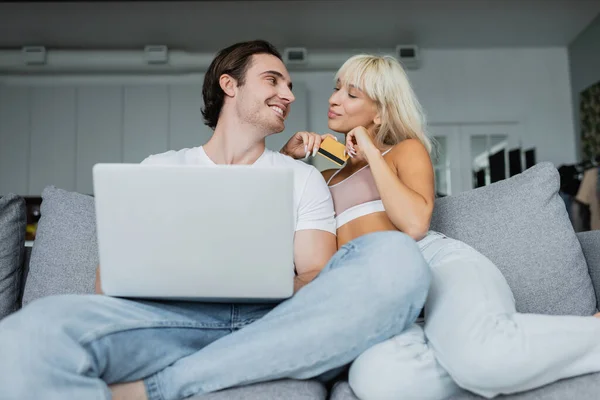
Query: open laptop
{"type": "Point", "coordinates": [219, 233]}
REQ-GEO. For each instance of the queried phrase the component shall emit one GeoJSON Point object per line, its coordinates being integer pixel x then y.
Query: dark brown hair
{"type": "Point", "coordinates": [234, 61]}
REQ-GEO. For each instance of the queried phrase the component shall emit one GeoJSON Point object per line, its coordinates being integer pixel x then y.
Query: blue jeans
{"type": "Point", "coordinates": [73, 346]}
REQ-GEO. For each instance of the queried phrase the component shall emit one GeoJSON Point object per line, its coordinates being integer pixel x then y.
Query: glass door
{"type": "Point", "coordinates": [487, 149]}
{"type": "Point", "coordinates": [462, 154]}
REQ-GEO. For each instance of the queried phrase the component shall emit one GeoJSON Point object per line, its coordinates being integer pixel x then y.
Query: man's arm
{"type": "Point", "coordinates": [313, 249]}
{"type": "Point", "coordinates": [315, 241]}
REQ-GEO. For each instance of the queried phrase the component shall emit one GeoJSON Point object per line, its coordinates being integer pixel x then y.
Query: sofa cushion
{"type": "Point", "coordinates": [521, 224]}
{"type": "Point", "coordinates": [590, 243]}
{"type": "Point", "coordinates": [582, 387]}
{"type": "Point", "coordinates": [585, 387]}
{"type": "Point", "coordinates": [13, 221]}
{"type": "Point", "coordinates": [342, 391]}
{"type": "Point", "coordinates": [64, 255]}
{"type": "Point", "coordinates": [288, 389]}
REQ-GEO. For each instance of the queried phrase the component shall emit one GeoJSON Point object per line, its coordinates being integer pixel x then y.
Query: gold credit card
{"type": "Point", "coordinates": [333, 151]}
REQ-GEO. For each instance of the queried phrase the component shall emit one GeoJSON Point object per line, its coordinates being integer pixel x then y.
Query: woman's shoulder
{"type": "Point", "coordinates": [409, 149]}
{"type": "Point", "coordinates": [408, 145]}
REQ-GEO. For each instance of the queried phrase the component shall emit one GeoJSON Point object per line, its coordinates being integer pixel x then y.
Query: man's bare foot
{"type": "Point", "coordinates": [597, 315]}
{"type": "Point", "coordinates": [129, 391]}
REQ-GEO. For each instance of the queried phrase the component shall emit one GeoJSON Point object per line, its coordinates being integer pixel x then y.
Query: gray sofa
{"type": "Point", "coordinates": [521, 224]}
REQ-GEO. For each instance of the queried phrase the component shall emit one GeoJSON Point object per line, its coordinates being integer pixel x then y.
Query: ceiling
{"type": "Point", "coordinates": [327, 24]}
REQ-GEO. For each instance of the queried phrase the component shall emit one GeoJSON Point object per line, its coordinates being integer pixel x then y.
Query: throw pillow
{"type": "Point", "coordinates": [13, 220]}
{"type": "Point", "coordinates": [521, 224]}
{"type": "Point", "coordinates": [65, 254]}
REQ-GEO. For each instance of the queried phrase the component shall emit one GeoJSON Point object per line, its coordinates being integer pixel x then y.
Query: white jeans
{"type": "Point", "coordinates": [474, 338]}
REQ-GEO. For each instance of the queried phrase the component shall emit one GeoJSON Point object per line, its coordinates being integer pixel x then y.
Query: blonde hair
{"type": "Point", "coordinates": [383, 79]}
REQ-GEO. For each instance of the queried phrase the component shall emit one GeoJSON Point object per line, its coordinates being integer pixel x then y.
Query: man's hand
{"type": "Point", "coordinates": [303, 144]}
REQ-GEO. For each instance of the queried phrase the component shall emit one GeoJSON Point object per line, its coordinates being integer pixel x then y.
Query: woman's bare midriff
{"type": "Point", "coordinates": [370, 223]}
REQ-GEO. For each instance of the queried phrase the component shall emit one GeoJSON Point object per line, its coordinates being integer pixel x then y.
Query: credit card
{"type": "Point", "coordinates": [333, 151]}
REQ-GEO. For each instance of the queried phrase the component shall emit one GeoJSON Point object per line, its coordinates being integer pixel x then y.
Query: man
{"type": "Point", "coordinates": [95, 347]}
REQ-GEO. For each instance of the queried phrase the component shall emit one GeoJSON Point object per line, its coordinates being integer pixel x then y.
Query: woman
{"type": "Point", "coordinates": [473, 337]}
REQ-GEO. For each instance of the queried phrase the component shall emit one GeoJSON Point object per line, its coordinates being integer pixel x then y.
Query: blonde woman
{"type": "Point", "coordinates": [472, 337]}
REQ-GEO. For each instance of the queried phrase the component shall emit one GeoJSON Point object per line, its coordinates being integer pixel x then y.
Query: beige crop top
{"type": "Point", "coordinates": [355, 196]}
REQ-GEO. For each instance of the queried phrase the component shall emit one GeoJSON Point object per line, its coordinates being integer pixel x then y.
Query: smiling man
{"type": "Point", "coordinates": [99, 347]}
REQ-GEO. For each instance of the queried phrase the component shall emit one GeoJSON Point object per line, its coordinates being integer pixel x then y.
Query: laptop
{"type": "Point", "coordinates": [217, 234]}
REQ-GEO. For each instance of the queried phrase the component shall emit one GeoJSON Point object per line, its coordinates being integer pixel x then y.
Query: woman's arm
{"type": "Point", "coordinates": [408, 193]}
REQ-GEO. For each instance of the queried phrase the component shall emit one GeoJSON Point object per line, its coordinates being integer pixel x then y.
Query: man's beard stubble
{"type": "Point", "coordinates": [255, 115]}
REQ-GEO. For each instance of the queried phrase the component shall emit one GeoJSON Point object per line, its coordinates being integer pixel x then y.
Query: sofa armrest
{"type": "Point", "coordinates": [590, 243]}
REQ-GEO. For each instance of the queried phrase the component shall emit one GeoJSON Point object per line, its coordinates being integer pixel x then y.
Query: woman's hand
{"type": "Point", "coordinates": [359, 142]}
{"type": "Point", "coordinates": [303, 144]}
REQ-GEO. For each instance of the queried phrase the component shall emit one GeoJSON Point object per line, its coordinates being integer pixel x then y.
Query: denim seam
{"type": "Point", "coordinates": [425, 246]}
{"type": "Point", "coordinates": [350, 247]}
{"type": "Point", "coordinates": [338, 258]}
{"type": "Point", "coordinates": [195, 389]}
{"type": "Point", "coordinates": [234, 315]}
{"type": "Point", "coordinates": [241, 324]}
{"type": "Point", "coordinates": [430, 242]}
{"type": "Point", "coordinates": [450, 244]}
{"type": "Point", "coordinates": [85, 364]}
{"type": "Point", "coordinates": [117, 328]}
{"type": "Point", "coordinates": [104, 389]}
{"type": "Point", "coordinates": [447, 246]}
{"type": "Point", "coordinates": [153, 390]}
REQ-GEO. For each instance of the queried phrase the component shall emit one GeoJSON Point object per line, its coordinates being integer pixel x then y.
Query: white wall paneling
{"type": "Point", "coordinates": [53, 138]}
{"type": "Point", "coordinates": [52, 131]}
{"type": "Point", "coordinates": [99, 130]}
{"type": "Point", "coordinates": [186, 125]}
{"type": "Point", "coordinates": [145, 121]}
{"type": "Point", "coordinates": [14, 140]}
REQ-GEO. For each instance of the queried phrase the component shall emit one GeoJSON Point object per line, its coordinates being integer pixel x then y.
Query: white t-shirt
{"type": "Point", "coordinates": [313, 207]}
